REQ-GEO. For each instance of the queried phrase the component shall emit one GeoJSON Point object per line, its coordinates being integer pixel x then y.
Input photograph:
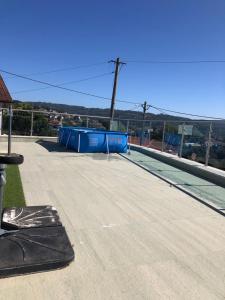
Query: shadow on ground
{"type": "Point", "coordinates": [55, 147]}
{"type": "Point", "coordinates": [52, 146]}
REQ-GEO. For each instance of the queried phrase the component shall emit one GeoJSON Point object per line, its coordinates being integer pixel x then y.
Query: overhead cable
{"type": "Point", "coordinates": [63, 69]}
{"type": "Point", "coordinates": [64, 83]}
{"type": "Point", "coordinates": [64, 88]}
{"type": "Point", "coordinates": [175, 61]}
{"type": "Point", "coordinates": [183, 113]}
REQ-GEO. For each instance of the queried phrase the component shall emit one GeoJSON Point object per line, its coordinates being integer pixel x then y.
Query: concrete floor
{"type": "Point", "coordinates": [134, 236]}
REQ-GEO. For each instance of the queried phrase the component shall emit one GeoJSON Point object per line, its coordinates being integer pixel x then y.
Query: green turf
{"type": "Point", "coordinates": [13, 193]}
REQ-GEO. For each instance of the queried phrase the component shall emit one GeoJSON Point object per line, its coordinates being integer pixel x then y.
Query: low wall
{"type": "Point", "coordinates": [22, 138]}
{"type": "Point", "coordinates": [209, 173]}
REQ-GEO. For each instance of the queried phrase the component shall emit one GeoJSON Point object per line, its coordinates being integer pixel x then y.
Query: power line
{"type": "Point", "coordinates": [175, 62]}
{"type": "Point", "coordinates": [63, 69]}
{"type": "Point", "coordinates": [64, 83]}
{"type": "Point", "coordinates": [105, 98]}
{"type": "Point", "coordinates": [161, 112]}
{"type": "Point", "coordinates": [52, 85]}
{"type": "Point", "coordinates": [64, 88]}
{"type": "Point", "coordinates": [134, 107]}
{"type": "Point", "coordinates": [182, 113]}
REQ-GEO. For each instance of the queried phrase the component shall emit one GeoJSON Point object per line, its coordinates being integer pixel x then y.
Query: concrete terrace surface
{"type": "Point", "coordinates": [134, 236]}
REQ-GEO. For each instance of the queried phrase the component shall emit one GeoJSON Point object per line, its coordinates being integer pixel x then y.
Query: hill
{"type": "Point", "coordinates": [81, 110]}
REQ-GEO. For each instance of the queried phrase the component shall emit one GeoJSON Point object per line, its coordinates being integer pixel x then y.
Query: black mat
{"type": "Point", "coordinates": [34, 250]}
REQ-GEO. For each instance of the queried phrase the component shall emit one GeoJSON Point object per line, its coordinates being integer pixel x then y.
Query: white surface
{"type": "Point", "coordinates": [134, 236]}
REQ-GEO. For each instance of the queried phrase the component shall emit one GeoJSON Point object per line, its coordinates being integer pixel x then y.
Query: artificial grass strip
{"type": "Point", "coordinates": [13, 193]}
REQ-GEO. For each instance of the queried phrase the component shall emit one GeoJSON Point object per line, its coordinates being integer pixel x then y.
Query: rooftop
{"type": "Point", "coordinates": [134, 236]}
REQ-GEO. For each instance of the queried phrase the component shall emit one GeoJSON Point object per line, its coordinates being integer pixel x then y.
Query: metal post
{"type": "Point", "coordinates": [10, 129]}
{"type": "Point", "coordinates": [107, 143]}
{"type": "Point", "coordinates": [128, 123]}
{"type": "Point", "coordinates": [142, 133]}
{"type": "Point", "coordinates": [129, 142]}
{"type": "Point", "coordinates": [149, 135]}
{"type": "Point", "coordinates": [61, 121]}
{"type": "Point", "coordinates": [78, 143]}
{"type": "Point", "coordinates": [32, 123]}
{"type": "Point", "coordinates": [145, 107]}
{"type": "Point", "coordinates": [87, 120]}
{"type": "Point", "coordinates": [163, 136]}
{"type": "Point", "coordinates": [208, 146]}
{"type": "Point", "coordinates": [2, 183]}
{"type": "Point", "coordinates": [67, 142]}
{"type": "Point", "coordinates": [182, 141]}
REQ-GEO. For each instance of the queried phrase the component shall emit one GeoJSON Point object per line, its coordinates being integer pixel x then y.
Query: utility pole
{"type": "Point", "coordinates": [117, 63]}
{"type": "Point", "coordinates": [145, 107]}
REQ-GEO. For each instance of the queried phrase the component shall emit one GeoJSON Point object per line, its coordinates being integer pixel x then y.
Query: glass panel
{"type": "Point", "coordinates": [172, 138]}
{"type": "Point", "coordinates": [194, 146]}
{"type": "Point", "coordinates": [156, 135]}
{"type": "Point", "coordinates": [21, 123]}
{"type": "Point", "coordinates": [43, 125]}
{"type": "Point", "coordinates": [217, 150]}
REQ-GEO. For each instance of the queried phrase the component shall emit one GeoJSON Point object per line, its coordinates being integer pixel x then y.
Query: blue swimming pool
{"type": "Point", "coordinates": [89, 140]}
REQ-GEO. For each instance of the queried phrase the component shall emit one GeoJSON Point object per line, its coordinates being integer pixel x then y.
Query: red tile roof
{"type": "Point", "coordinates": [4, 93]}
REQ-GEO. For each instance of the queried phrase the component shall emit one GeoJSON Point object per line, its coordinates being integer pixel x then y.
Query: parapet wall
{"type": "Point", "coordinates": [23, 138]}
{"type": "Point", "coordinates": [211, 174]}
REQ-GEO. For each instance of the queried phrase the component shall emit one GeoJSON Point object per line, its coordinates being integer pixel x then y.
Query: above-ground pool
{"type": "Point", "coordinates": [89, 140]}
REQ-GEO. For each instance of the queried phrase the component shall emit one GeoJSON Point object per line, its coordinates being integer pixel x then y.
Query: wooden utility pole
{"type": "Point", "coordinates": [145, 107]}
{"type": "Point", "coordinates": [117, 63]}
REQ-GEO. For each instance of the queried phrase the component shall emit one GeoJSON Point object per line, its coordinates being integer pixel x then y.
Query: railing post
{"type": "Point", "coordinates": [142, 133]}
{"type": "Point", "coordinates": [207, 155]}
{"type": "Point", "coordinates": [107, 143]}
{"type": "Point", "coordinates": [78, 150]}
{"type": "Point", "coordinates": [61, 121]}
{"type": "Point", "coordinates": [10, 129]}
{"type": "Point", "coordinates": [163, 136]}
{"type": "Point", "coordinates": [182, 142]}
{"type": "Point", "coordinates": [32, 123]}
{"type": "Point", "coordinates": [128, 123]}
{"type": "Point", "coordinates": [87, 121]}
{"type": "Point", "coordinates": [129, 142]}
{"type": "Point", "coordinates": [149, 134]}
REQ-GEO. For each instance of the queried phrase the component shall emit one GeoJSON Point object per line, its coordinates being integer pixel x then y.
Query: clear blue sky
{"type": "Point", "coordinates": [44, 35]}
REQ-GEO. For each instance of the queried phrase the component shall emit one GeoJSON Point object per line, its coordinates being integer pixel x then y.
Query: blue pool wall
{"type": "Point", "coordinates": [89, 140]}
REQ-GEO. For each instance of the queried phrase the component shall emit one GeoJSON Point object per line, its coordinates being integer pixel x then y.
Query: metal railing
{"type": "Point", "coordinates": [199, 140]}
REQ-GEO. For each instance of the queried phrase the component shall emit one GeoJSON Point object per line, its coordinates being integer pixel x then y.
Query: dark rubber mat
{"type": "Point", "coordinates": [34, 250]}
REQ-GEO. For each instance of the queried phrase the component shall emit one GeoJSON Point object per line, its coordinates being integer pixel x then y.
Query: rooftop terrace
{"type": "Point", "coordinates": [134, 236]}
